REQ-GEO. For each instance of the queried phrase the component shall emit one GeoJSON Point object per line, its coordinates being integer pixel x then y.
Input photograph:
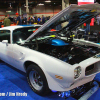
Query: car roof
{"type": "Point", "coordinates": [10, 27]}
{"type": "Point", "coordinates": [17, 26]}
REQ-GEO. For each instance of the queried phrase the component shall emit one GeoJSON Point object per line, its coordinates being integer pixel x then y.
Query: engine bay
{"type": "Point", "coordinates": [71, 54]}
{"type": "Point", "coordinates": [62, 49]}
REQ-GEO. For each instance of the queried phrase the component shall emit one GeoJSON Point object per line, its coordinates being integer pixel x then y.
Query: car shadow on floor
{"type": "Point", "coordinates": [13, 80]}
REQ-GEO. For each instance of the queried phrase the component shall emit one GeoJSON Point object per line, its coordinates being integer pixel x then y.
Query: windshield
{"type": "Point", "coordinates": [21, 34]}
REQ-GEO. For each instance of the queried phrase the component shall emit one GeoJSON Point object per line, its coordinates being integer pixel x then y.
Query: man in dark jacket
{"type": "Point", "coordinates": [7, 21]}
{"type": "Point", "coordinates": [31, 20]}
{"type": "Point", "coordinates": [18, 20]}
{"type": "Point", "coordinates": [43, 19]}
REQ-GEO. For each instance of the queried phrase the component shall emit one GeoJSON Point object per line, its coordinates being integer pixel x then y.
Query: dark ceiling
{"type": "Point", "coordinates": [21, 3]}
{"type": "Point", "coordinates": [32, 3]}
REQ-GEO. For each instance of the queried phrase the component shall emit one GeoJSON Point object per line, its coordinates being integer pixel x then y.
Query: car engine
{"type": "Point", "coordinates": [67, 52]}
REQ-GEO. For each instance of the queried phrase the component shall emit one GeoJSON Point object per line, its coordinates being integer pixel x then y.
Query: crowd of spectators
{"type": "Point", "coordinates": [20, 20]}
{"type": "Point", "coordinates": [38, 20]}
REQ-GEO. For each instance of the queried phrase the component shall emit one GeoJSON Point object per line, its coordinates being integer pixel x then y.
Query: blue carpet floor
{"type": "Point", "coordinates": [12, 81]}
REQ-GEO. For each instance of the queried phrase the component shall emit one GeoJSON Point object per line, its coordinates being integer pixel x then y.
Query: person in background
{"type": "Point", "coordinates": [18, 20]}
{"type": "Point", "coordinates": [43, 19]}
{"type": "Point", "coordinates": [39, 19]}
{"type": "Point", "coordinates": [98, 19]}
{"type": "Point", "coordinates": [48, 17]}
{"type": "Point", "coordinates": [14, 20]}
{"type": "Point", "coordinates": [24, 21]}
{"type": "Point", "coordinates": [36, 19]}
{"type": "Point", "coordinates": [88, 26]}
{"type": "Point", "coordinates": [31, 20]}
{"type": "Point", "coordinates": [7, 21]}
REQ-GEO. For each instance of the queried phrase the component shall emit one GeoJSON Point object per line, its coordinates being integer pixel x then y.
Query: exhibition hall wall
{"type": "Point", "coordinates": [46, 10]}
{"type": "Point", "coordinates": [36, 11]}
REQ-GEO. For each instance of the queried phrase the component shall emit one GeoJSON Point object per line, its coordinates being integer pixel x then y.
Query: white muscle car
{"type": "Point", "coordinates": [53, 60]}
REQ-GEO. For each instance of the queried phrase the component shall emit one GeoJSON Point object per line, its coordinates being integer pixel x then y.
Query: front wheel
{"type": "Point", "coordinates": [37, 80]}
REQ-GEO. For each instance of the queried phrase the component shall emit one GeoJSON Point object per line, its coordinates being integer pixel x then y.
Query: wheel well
{"type": "Point", "coordinates": [27, 63]}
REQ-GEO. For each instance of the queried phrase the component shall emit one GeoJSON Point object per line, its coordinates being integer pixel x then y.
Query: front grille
{"type": "Point", "coordinates": [89, 70]}
{"type": "Point", "coordinates": [94, 68]}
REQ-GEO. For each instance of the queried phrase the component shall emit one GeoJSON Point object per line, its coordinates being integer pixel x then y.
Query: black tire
{"type": "Point", "coordinates": [34, 71]}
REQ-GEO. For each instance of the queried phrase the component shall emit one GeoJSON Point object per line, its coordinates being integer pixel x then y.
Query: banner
{"type": "Point", "coordinates": [81, 2]}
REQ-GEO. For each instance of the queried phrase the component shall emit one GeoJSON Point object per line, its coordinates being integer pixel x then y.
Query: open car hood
{"type": "Point", "coordinates": [76, 14]}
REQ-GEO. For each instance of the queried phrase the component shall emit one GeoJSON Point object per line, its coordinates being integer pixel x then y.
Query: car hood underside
{"type": "Point", "coordinates": [74, 12]}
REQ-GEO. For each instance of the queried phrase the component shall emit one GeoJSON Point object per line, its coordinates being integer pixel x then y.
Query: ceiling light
{"type": "Point", "coordinates": [8, 11]}
{"type": "Point", "coordinates": [26, 6]}
{"type": "Point", "coordinates": [48, 1]}
{"type": "Point", "coordinates": [40, 4]}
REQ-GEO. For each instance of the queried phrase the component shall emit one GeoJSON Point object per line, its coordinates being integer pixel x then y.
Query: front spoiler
{"type": "Point", "coordinates": [81, 93]}
{"type": "Point", "coordinates": [90, 92]}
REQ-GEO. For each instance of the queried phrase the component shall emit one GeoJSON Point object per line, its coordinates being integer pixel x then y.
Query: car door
{"type": "Point", "coordinates": [18, 57]}
{"type": "Point", "coordinates": [18, 35]}
{"type": "Point", "coordinates": [5, 46]}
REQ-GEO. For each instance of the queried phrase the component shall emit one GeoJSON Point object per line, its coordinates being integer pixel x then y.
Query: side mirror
{"type": "Point", "coordinates": [5, 41]}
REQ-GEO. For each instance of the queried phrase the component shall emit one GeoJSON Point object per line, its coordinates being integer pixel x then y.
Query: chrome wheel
{"type": "Point", "coordinates": [35, 80]}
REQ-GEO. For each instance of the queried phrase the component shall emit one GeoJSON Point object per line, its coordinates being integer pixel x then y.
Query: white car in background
{"type": "Point", "coordinates": [53, 60]}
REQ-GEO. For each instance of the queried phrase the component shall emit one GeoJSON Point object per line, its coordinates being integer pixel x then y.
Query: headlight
{"type": "Point", "coordinates": [77, 72]}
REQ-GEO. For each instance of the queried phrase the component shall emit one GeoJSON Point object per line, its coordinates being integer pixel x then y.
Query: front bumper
{"type": "Point", "coordinates": [81, 93]}
{"type": "Point", "coordinates": [90, 92]}
{"type": "Point", "coordinates": [68, 82]}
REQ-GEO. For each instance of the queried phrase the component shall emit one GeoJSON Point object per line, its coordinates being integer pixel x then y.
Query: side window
{"type": "Point", "coordinates": [17, 35]}
{"type": "Point", "coordinates": [21, 34]}
{"type": "Point", "coordinates": [5, 35]}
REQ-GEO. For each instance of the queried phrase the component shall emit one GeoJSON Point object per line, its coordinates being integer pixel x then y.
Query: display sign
{"type": "Point", "coordinates": [80, 2]}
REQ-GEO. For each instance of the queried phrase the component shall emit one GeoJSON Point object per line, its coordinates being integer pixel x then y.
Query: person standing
{"type": "Point", "coordinates": [24, 21]}
{"type": "Point", "coordinates": [18, 20]}
{"type": "Point", "coordinates": [43, 19]}
{"type": "Point", "coordinates": [7, 21]}
{"type": "Point", "coordinates": [98, 19]}
{"type": "Point", "coordinates": [31, 20]}
{"type": "Point", "coordinates": [39, 19]}
{"type": "Point", "coordinates": [88, 26]}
